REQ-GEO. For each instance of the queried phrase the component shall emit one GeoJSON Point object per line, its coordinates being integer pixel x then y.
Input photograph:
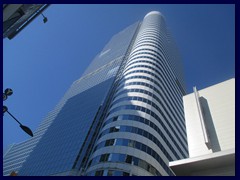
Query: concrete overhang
{"type": "Point", "coordinates": [186, 167]}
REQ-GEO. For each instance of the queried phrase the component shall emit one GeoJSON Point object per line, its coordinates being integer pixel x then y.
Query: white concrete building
{"type": "Point", "coordinates": [210, 123]}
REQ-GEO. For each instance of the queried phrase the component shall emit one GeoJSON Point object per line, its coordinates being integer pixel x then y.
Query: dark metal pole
{"type": "Point", "coordinates": [13, 117]}
{"type": "Point", "coordinates": [9, 92]}
{"type": "Point", "coordinates": [24, 128]}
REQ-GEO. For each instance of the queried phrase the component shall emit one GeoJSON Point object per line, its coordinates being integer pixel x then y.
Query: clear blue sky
{"type": "Point", "coordinates": [42, 61]}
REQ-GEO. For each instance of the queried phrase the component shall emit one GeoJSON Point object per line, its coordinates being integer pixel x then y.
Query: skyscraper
{"type": "Point", "coordinates": [124, 116]}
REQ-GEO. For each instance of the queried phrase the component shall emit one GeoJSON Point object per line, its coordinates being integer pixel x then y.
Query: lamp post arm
{"type": "Point", "coordinates": [13, 117]}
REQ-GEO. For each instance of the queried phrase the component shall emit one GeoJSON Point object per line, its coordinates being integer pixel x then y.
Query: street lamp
{"type": "Point", "coordinates": [44, 18]}
{"type": "Point", "coordinates": [9, 92]}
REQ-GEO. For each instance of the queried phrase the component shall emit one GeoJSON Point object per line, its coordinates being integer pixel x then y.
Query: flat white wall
{"type": "Point", "coordinates": [218, 105]}
{"type": "Point", "coordinates": [222, 171]}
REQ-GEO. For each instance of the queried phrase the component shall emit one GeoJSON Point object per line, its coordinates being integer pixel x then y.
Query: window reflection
{"type": "Point", "coordinates": [124, 158]}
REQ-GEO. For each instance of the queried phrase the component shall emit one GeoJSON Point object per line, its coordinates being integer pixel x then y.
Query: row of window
{"type": "Point", "coordinates": [158, 61]}
{"type": "Point", "coordinates": [154, 38]}
{"type": "Point", "coordinates": [108, 172]}
{"type": "Point", "coordinates": [139, 108]}
{"type": "Point", "coordinates": [165, 85]}
{"type": "Point", "coordinates": [155, 97]}
{"type": "Point", "coordinates": [17, 148]}
{"type": "Point", "coordinates": [144, 45]}
{"type": "Point", "coordinates": [145, 51]}
{"type": "Point", "coordinates": [152, 44]}
{"type": "Point", "coordinates": [15, 157]}
{"type": "Point", "coordinates": [149, 93]}
{"type": "Point", "coordinates": [149, 123]}
{"type": "Point", "coordinates": [137, 99]}
{"type": "Point", "coordinates": [157, 40]}
{"type": "Point", "coordinates": [13, 163]}
{"type": "Point", "coordinates": [160, 42]}
{"type": "Point", "coordinates": [122, 83]}
{"type": "Point", "coordinates": [141, 99]}
{"type": "Point", "coordinates": [152, 63]}
{"type": "Point", "coordinates": [158, 45]}
{"type": "Point", "coordinates": [162, 88]}
{"type": "Point", "coordinates": [124, 158]}
{"type": "Point", "coordinates": [176, 122]}
{"type": "Point", "coordinates": [143, 133]}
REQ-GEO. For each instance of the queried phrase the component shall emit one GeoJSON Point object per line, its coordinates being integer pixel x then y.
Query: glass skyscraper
{"type": "Point", "coordinates": [123, 117]}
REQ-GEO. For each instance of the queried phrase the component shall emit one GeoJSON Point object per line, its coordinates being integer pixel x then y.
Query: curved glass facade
{"type": "Point", "coordinates": [123, 117]}
{"type": "Point", "coordinates": [145, 120]}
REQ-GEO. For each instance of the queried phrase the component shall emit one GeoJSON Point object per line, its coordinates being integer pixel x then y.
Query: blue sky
{"type": "Point", "coordinates": [42, 61]}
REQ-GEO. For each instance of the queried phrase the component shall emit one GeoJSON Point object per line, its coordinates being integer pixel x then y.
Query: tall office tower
{"type": "Point", "coordinates": [124, 116]}
{"type": "Point", "coordinates": [66, 127]}
{"type": "Point", "coordinates": [144, 127]}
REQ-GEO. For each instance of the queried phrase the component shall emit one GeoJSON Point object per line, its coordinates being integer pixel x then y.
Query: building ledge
{"type": "Point", "coordinates": [217, 160]}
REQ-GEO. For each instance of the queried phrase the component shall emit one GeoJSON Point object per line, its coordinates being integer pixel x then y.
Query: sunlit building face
{"type": "Point", "coordinates": [123, 117]}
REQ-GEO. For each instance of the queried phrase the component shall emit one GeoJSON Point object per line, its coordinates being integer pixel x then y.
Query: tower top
{"type": "Point", "coordinates": [153, 13]}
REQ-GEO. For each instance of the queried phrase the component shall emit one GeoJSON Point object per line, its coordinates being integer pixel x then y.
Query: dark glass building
{"type": "Point", "coordinates": [123, 117]}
